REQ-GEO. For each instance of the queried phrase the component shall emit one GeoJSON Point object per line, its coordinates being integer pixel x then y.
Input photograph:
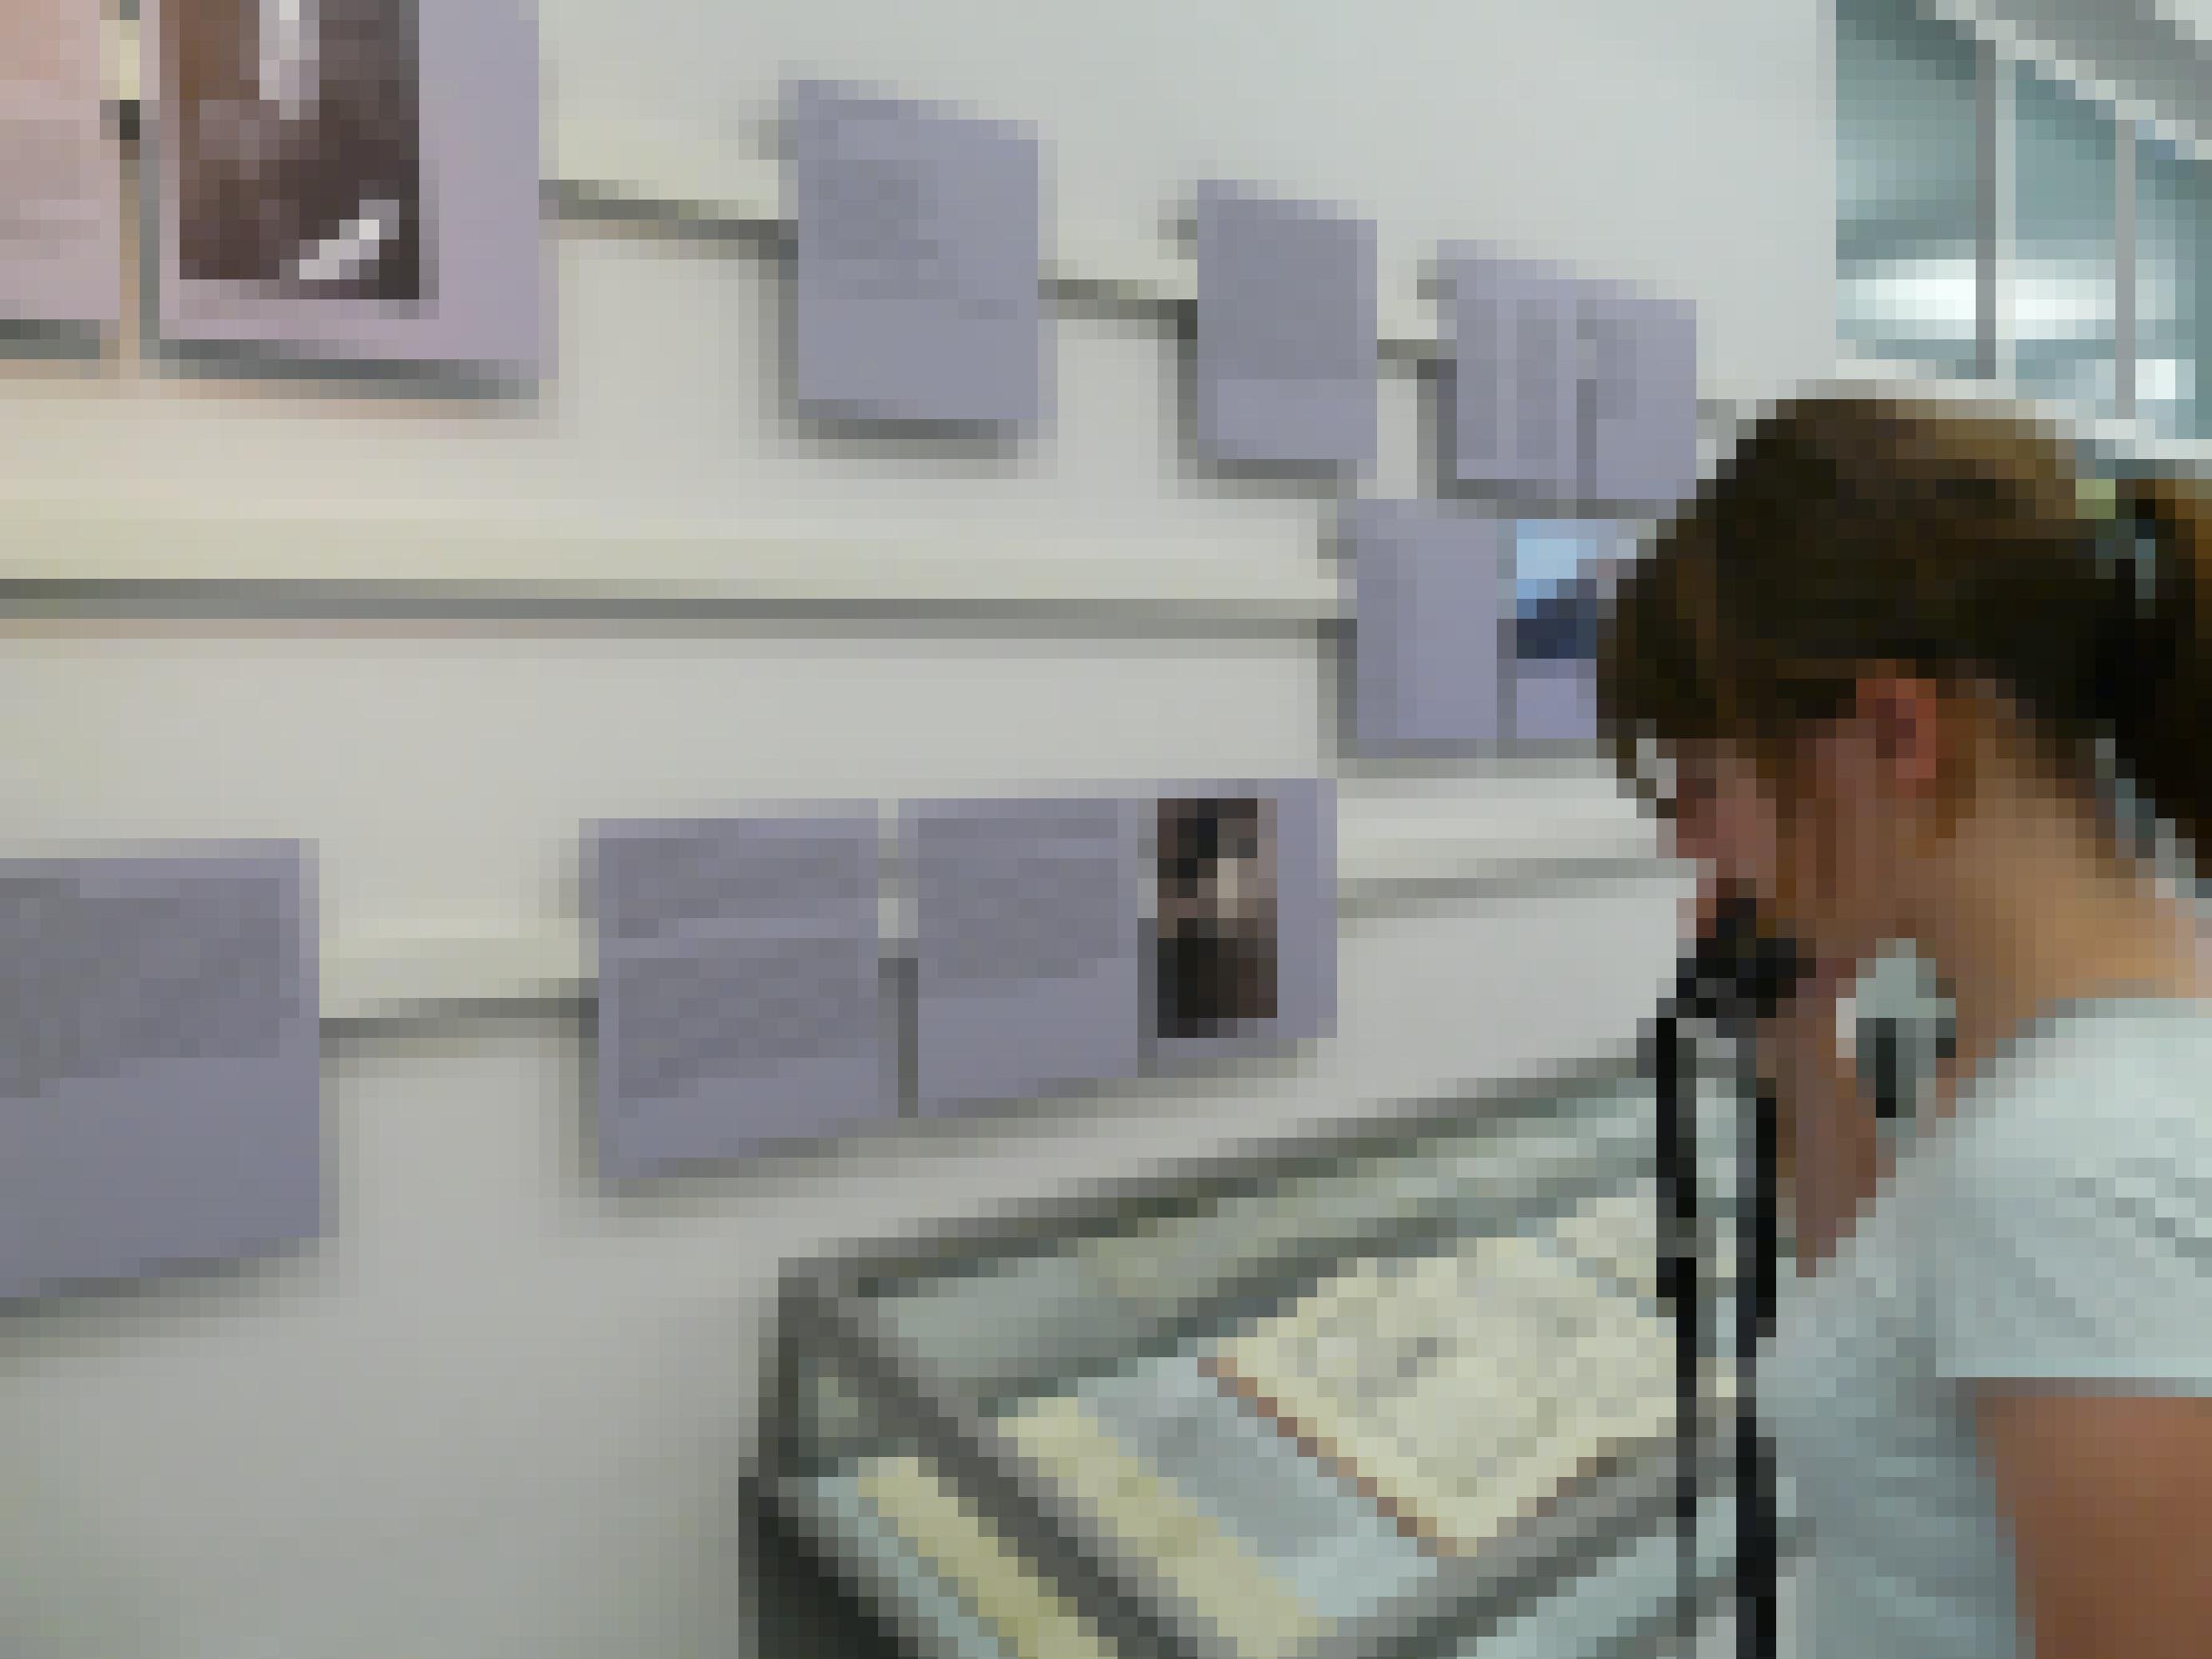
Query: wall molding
{"type": "Point", "coordinates": [103, 556]}
{"type": "Point", "coordinates": [418, 971]}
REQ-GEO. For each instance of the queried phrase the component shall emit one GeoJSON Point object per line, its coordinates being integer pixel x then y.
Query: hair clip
{"type": "Point", "coordinates": [2128, 542]}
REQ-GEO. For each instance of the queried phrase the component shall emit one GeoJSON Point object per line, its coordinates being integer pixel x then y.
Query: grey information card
{"type": "Point", "coordinates": [160, 1063]}
{"type": "Point", "coordinates": [919, 262]}
{"type": "Point", "coordinates": [1029, 972]}
{"type": "Point", "coordinates": [1286, 332]}
{"type": "Point", "coordinates": [1429, 597]}
{"type": "Point", "coordinates": [1515, 327]}
{"type": "Point", "coordinates": [740, 986]}
{"type": "Point", "coordinates": [1643, 397]}
{"type": "Point", "coordinates": [1244, 934]}
{"type": "Point", "coordinates": [61, 177]}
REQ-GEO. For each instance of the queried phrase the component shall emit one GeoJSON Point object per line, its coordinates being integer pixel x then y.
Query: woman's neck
{"type": "Point", "coordinates": [2071, 945]}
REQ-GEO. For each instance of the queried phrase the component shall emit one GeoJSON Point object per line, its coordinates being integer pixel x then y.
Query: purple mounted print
{"type": "Point", "coordinates": [351, 180]}
{"type": "Point", "coordinates": [919, 262]}
{"type": "Point", "coordinates": [161, 1064]}
{"type": "Point", "coordinates": [1515, 328]}
{"type": "Point", "coordinates": [1286, 332]}
{"type": "Point", "coordinates": [1028, 972]}
{"type": "Point", "coordinates": [1429, 599]}
{"type": "Point", "coordinates": [740, 985]}
{"type": "Point", "coordinates": [61, 179]}
{"type": "Point", "coordinates": [1643, 393]}
{"type": "Point", "coordinates": [1562, 571]}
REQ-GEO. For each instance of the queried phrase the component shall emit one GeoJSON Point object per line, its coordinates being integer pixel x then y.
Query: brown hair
{"type": "Point", "coordinates": [1857, 530]}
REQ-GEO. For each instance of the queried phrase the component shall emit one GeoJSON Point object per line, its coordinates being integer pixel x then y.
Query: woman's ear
{"type": "Point", "coordinates": [1905, 719]}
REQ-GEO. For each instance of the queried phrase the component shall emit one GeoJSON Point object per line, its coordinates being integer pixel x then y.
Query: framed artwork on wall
{"type": "Point", "coordinates": [1244, 933]}
{"type": "Point", "coordinates": [348, 179]}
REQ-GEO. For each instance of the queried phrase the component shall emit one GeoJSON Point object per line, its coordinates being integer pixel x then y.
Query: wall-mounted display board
{"type": "Point", "coordinates": [1029, 965]}
{"type": "Point", "coordinates": [1640, 398]}
{"type": "Point", "coordinates": [356, 180]}
{"type": "Point", "coordinates": [1514, 328]}
{"type": "Point", "coordinates": [740, 1000]}
{"type": "Point", "coordinates": [1562, 569]}
{"type": "Point", "coordinates": [1285, 372]}
{"type": "Point", "coordinates": [917, 267]}
{"type": "Point", "coordinates": [1244, 955]}
{"type": "Point", "coordinates": [160, 1063]}
{"type": "Point", "coordinates": [1429, 597]}
{"type": "Point", "coordinates": [61, 182]}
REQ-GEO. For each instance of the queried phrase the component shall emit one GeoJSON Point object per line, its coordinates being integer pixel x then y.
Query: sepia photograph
{"type": "Point", "coordinates": [1218, 926]}
{"type": "Point", "coordinates": [299, 157]}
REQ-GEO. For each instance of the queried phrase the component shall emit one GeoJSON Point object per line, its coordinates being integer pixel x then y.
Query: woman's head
{"type": "Point", "coordinates": [1879, 657]}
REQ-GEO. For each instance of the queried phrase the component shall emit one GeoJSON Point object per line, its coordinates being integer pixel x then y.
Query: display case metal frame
{"type": "Point", "coordinates": [831, 1313]}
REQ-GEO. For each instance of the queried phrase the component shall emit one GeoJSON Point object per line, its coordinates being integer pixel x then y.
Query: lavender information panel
{"type": "Point", "coordinates": [1244, 935]}
{"type": "Point", "coordinates": [1286, 332]}
{"type": "Point", "coordinates": [360, 182]}
{"type": "Point", "coordinates": [61, 192]}
{"type": "Point", "coordinates": [1515, 326]}
{"type": "Point", "coordinates": [740, 988]}
{"type": "Point", "coordinates": [1429, 603]}
{"type": "Point", "coordinates": [1642, 445]}
{"type": "Point", "coordinates": [161, 1064]}
{"type": "Point", "coordinates": [919, 262]}
{"type": "Point", "coordinates": [1029, 966]}
{"type": "Point", "coordinates": [1562, 570]}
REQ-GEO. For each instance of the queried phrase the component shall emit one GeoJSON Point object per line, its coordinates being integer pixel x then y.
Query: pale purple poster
{"type": "Point", "coordinates": [918, 267]}
{"type": "Point", "coordinates": [351, 180]}
{"type": "Point", "coordinates": [1285, 366]}
{"type": "Point", "coordinates": [1245, 930]}
{"type": "Point", "coordinates": [161, 1064]}
{"type": "Point", "coordinates": [1429, 589]}
{"type": "Point", "coordinates": [1563, 570]}
{"type": "Point", "coordinates": [1643, 397]}
{"type": "Point", "coordinates": [61, 229]}
{"type": "Point", "coordinates": [1029, 972]}
{"type": "Point", "coordinates": [1515, 328]}
{"type": "Point", "coordinates": [741, 998]}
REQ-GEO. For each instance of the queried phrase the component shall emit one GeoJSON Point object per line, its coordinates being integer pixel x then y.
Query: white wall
{"type": "Point", "coordinates": [500, 1413]}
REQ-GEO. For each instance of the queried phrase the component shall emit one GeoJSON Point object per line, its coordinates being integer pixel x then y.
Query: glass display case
{"type": "Point", "coordinates": [1404, 1390]}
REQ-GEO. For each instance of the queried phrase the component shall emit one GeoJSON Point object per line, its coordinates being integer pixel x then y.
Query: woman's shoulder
{"type": "Point", "coordinates": [2064, 1220]}
{"type": "Point", "coordinates": [2100, 1107]}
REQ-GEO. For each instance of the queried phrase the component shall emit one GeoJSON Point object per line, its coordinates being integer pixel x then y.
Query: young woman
{"type": "Point", "coordinates": [1884, 675]}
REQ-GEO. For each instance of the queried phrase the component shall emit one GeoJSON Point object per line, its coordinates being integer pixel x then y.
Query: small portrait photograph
{"type": "Point", "coordinates": [1218, 932]}
{"type": "Point", "coordinates": [1561, 571]}
{"type": "Point", "coordinates": [297, 133]}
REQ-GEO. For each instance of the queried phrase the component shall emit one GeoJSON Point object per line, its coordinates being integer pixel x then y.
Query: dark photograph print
{"type": "Point", "coordinates": [1218, 937]}
{"type": "Point", "coordinates": [298, 131]}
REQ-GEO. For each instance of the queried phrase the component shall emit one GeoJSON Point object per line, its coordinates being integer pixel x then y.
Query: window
{"type": "Point", "coordinates": [1908, 191]}
{"type": "Point", "coordinates": [2061, 313]}
{"type": "Point", "coordinates": [2173, 264]}
{"type": "Point", "coordinates": [1993, 219]}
